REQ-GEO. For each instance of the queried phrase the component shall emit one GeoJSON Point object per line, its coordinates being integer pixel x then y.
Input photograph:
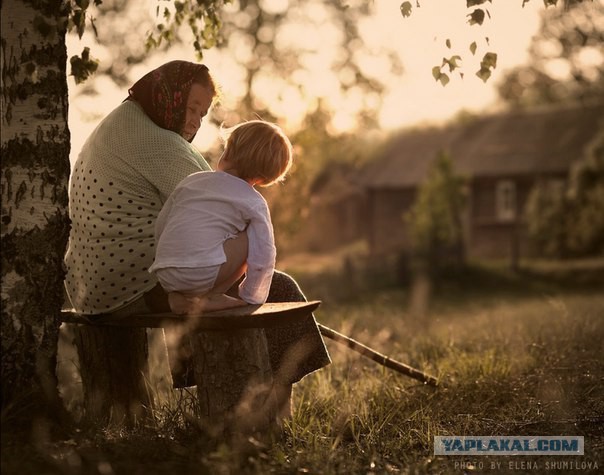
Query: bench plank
{"type": "Point", "coordinates": [251, 316]}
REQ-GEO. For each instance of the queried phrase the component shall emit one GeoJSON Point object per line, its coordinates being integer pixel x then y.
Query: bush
{"type": "Point", "coordinates": [570, 223]}
{"type": "Point", "coordinates": [435, 221]}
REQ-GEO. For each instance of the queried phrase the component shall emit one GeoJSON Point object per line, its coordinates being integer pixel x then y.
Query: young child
{"type": "Point", "coordinates": [215, 226]}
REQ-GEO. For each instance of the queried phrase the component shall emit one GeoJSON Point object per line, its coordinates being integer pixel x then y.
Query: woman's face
{"type": "Point", "coordinates": [198, 103]}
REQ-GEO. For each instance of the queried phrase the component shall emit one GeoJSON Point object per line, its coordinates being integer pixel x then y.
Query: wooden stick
{"type": "Point", "coordinates": [378, 357]}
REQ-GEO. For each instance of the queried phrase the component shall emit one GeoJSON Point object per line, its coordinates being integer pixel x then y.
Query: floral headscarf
{"type": "Point", "coordinates": [163, 92]}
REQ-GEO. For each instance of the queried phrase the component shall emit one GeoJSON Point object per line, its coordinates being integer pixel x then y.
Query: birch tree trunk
{"type": "Point", "coordinates": [35, 224]}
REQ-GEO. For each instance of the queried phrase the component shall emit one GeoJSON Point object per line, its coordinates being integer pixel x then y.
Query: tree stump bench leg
{"type": "Point", "coordinates": [234, 382]}
{"type": "Point", "coordinates": [237, 392]}
{"type": "Point", "coordinates": [232, 371]}
{"type": "Point", "coordinates": [114, 369]}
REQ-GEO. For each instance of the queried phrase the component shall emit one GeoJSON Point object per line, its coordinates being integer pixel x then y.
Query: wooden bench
{"type": "Point", "coordinates": [231, 363]}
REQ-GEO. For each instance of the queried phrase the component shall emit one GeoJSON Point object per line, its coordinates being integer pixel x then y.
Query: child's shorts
{"type": "Point", "coordinates": [193, 280]}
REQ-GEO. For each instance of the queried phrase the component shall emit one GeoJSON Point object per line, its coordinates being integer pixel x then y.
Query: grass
{"type": "Point", "coordinates": [516, 354]}
{"type": "Point", "coordinates": [532, 368]}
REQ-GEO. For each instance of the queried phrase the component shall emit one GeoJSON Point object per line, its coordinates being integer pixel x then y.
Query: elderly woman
{"type": "Point", "coordinates": [126, 170]}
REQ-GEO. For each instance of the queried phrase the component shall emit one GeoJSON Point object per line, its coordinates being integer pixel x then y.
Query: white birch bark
{"type": "Point", "coordinates": [35, 170]}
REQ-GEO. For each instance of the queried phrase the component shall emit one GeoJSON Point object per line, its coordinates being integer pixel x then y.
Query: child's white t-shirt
{"type": "Point", "coordinates": [206, 209]}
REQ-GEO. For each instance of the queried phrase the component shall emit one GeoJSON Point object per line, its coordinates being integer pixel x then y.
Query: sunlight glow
{"type": "Point", "coordinates": [411, 95]}
{"type": "Point", "coordinates": [557, 68]}
{"type": "Point", "coordinates": [590, 59]}
{"type": "Point", "coordinates": [274, 6]}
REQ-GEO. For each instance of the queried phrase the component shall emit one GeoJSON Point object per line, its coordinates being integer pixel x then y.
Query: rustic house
{"type": "Point", "coordinates": [338, 207]}
{"type": "Point", "coordinates": [503, 156]}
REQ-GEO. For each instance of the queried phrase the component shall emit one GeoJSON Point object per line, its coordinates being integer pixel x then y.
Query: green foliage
{"type": "Point", "coordinates": [406, 9]}
{"type": "Point", "coordinates": [252, 32]}
{"type": "Point", "coordinates": [205, 19]}
{"type": "Point", "coordinates": [202, 18]}
{"type": "Point", "coordinates": [545, 216]}
{"type": "Point", "coordinates": [565, 42]}
{"type": "Point", "coordinates": [83, 66]}
{"type": "Point", "coordinates": [567, 223]}
{"type": "Point", "coordinates": [554, 3]}
{"type": "Point", "coordinates": [477, 16]}
{"type": "Point", "coordinates": [440, 76]}
{"type": "Point", "coordinates": [452, 63]}
{"type": "Point", "coordinates": [79, 16]}
{"type": "Point", "coordinates": [489, 61]}
{"type": "Point", "coordinates": [435, 220]}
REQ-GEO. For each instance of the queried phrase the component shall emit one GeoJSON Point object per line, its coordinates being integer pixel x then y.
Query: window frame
{"type": "Point", "coordinates": [506, 200]}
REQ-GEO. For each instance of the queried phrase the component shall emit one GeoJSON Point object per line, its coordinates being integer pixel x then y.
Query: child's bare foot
{"type": "Point", "coordinates": [183, 304]}
{"type": "Point", "coordinates": [222, 302]}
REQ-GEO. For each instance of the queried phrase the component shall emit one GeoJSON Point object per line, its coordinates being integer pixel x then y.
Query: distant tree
{"type": "Point", "coordinates": [269, 42]}
{"type": "Point", "coordinates": [569, 222]}
{"type": "Point", "coordinates": [435, 230]}
{"type": "Point", "coordinates": [318, 154]}
{"type": "Point", "coordinates": [272, 40]}
{"type": "Point", "coordinates": [546, 217]}
{"type": "Point", "coordinates": [566, 64]}
{"type": "Point", "coordinates": [435, 220]}
{"type": "Point", "coordinates": [566, 59]}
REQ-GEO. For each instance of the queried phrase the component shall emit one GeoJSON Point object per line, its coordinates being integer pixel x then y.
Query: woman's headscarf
{"type": "Point", "coordinates": [163, 92]}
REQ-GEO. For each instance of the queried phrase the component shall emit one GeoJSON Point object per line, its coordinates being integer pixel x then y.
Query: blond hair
{"type": "Point", "coordinates": [259, 150]}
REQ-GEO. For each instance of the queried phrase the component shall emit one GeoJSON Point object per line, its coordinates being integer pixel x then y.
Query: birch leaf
{"type": "Point", "coordinates": [406, 9]}
{"type": "Point", "coordinates": [476, 17]}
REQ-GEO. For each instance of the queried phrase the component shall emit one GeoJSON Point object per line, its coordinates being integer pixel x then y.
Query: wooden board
{"type": "Point", "coordinates": [251, 316]}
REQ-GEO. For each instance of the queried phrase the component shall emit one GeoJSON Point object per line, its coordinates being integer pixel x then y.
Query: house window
{"type": "Point", "coordinates": [505, 200]}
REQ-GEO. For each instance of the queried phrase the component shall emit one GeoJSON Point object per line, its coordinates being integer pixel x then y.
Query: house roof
{"type": "Point", "coordinates": [544, 140]}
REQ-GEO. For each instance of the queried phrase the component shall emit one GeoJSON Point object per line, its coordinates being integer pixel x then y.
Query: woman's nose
{"type": "Point", "coordinates": [194, 123]}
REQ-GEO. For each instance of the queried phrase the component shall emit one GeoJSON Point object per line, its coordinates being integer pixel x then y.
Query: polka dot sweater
{"type": "Point", "coordinates": [123, 175]}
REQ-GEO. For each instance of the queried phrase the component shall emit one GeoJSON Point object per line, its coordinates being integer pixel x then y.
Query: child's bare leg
{"type": "Point", "coordinates": [191, 304]}
{"type": "Point", "coordinates": [231, 271]}
{"type": "Point", "coordinates": [236, 253]}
